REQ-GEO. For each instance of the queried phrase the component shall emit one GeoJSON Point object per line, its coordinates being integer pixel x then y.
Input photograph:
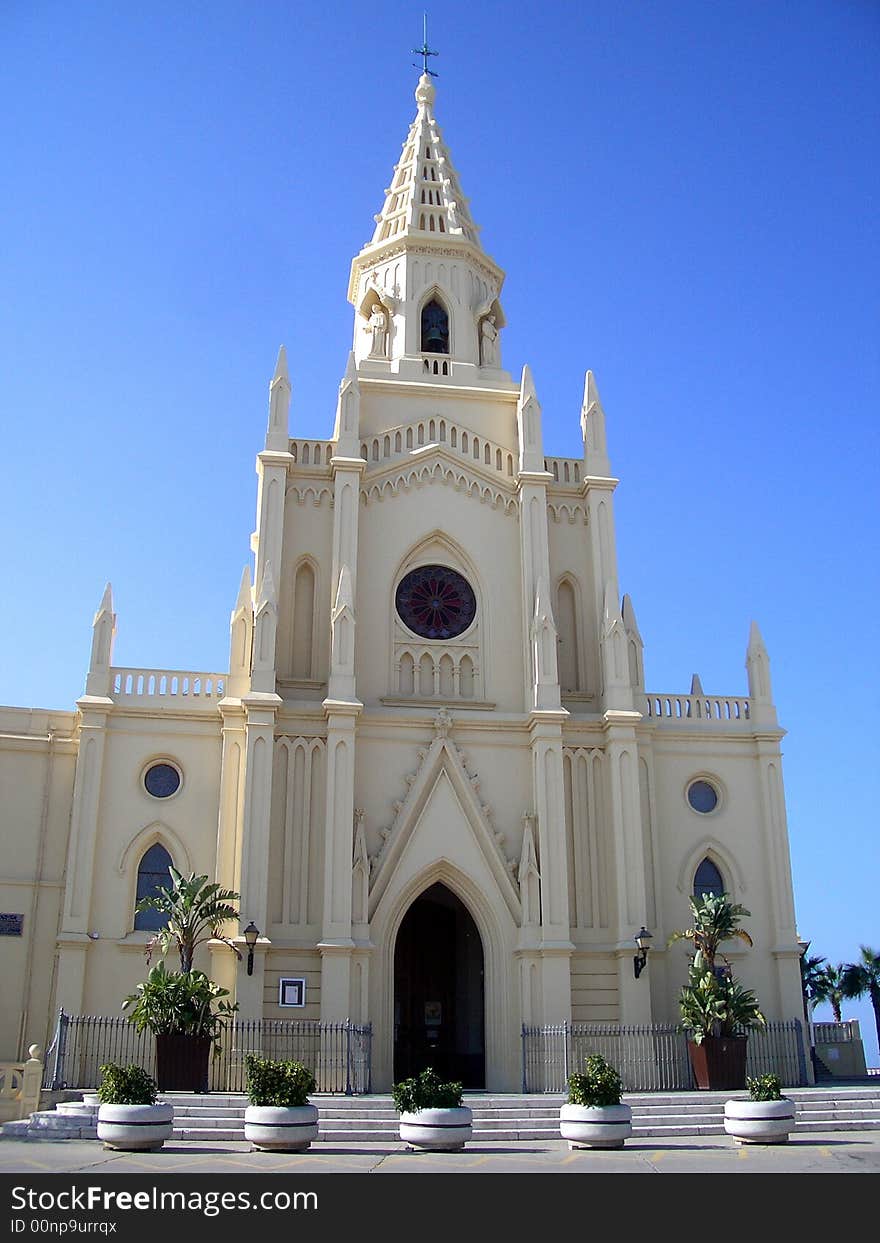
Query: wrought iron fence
{"type": "Point", "coordinates": [650, 1057]}
{"type": "Point", "coordinates": [339, 1054]}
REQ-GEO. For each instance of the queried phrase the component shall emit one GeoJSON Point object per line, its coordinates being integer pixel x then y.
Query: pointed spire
{"type": "Point", "coordinates": [279, 406]}
{"type": "Point", "coordinates": [593, 430]}
{"type": "Point", "coordinates": [265, 631]}
{"type": "Point", "coordinates": [758, 667]}
{"type": "Point", "coordinates": [544, 651]}
{"type": "Point", "coordinates": [635, 645]}
{"type": "Point", "coordinates": [103, 634]}
{"type": "Point", "coordinates": [244, 599]}
{"type": "Point", "coordinates": [241, 638]}
{"type": "Point", "coordinates": [617, 676]}
{"type": "Point", "coordinates": [425, 195]}
{"type": "Point", "coordinates": [342, 634]}
{"type": "Point", "coordinates": [628, 613]}
{"type": "Point", "coordinates": [528, 422]}
{"type": "Point", "coordinates": [361, 866]}
{"type": "Point", "coordinates": [347, 429]}
{"type": "Point", "coordinates": [267, 597]}
{"type": "Point", "coordinates": [697, 686]}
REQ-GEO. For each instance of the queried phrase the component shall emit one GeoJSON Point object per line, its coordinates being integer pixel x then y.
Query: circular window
{"type": "Point", "coordinates": [436, 602]}
{"type": "Point", "coordinates": [161, 780]}
{"type": "Point", "coordinates": [702, 796]}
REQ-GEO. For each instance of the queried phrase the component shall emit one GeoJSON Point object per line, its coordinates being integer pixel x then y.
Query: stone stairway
{"type": "Point", "coordinates": [499, 1118]}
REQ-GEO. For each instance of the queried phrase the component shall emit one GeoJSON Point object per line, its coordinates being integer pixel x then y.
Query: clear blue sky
{"type": "Point", "coordinates": [684, 196]}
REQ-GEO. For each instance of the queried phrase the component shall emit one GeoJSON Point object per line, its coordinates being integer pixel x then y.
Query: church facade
{"type": "Point", "coordinates": [432, 769]}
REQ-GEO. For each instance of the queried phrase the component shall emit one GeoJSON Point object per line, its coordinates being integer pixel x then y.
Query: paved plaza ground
{"type": "Point", "coordinates": [833, 1152]}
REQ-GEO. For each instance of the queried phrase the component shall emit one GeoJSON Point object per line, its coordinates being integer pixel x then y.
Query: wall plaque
{"type": "Point", "coordinates": [11, 925]}
{"type": "Point", "coordinates": [291, 992]}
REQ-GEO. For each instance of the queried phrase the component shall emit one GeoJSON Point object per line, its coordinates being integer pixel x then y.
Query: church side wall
{"type": "Point", "coordinates": [735, 838]}
{"type": "Point", "coordinates": [129, 822]}
{"type": "Point", "coordinates": [37, 766]}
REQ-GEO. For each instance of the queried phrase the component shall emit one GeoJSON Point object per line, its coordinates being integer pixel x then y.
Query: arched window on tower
{"type": "Point", "coordinates": [435, 328]}
{"type": "Point", "coordinates": [152, 875]}
{"type": "Point", "coordinates": [707, 879]}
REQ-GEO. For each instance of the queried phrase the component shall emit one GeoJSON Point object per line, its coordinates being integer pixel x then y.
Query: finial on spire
{"type": "Point", "coordinates": [424, 51]}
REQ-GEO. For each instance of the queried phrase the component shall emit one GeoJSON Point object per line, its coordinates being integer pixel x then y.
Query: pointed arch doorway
{"type": "Point", "coordinates": [439, 1003]}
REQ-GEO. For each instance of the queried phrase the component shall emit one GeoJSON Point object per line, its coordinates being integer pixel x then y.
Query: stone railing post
{"type": "Point", "coordinates": [31, 1083]}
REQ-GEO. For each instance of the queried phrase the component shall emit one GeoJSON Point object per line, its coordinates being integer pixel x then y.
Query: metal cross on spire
{"type": "Point", "coordinates": [424, 51]}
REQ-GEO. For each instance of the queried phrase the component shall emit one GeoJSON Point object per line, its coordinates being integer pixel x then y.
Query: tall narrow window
{"type": "Point", "coordinates": [569, 657]}
{"type": "Point", "coordinates": [708, 880]}
{"type": "Point", "coordinates": [303, 621]}
{"type": "Point", "coordinates": [152, 875]}
{"type": "Point", "coordinates": [435, 328]}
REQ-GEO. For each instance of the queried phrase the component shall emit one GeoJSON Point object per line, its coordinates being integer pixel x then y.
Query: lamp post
{"type": "Point", "coordinates": [251, 935]}
{"type": "Point", "coordinates": [640, 960]}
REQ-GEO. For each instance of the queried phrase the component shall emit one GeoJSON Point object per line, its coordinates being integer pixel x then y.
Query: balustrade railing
{"type": "Point", "coordinates": [651, 1057]}
{"type": "Point", "coordinates": [698, 709]}
{"type": "Point", "coordinates": [338, 1054]}
{"type": "Point", "coordinates": [168, 684]}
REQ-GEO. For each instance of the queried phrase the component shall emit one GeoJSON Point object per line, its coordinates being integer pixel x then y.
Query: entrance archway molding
{"type": "Point", "coordinates": [498, 936]}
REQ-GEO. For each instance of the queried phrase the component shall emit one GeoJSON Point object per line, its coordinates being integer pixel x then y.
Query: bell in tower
{"type": "Point", "coordinates": [435, 328]}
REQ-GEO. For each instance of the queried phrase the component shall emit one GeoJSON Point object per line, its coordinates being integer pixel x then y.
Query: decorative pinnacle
{"type": "Point", "coordinates": [424, 51]}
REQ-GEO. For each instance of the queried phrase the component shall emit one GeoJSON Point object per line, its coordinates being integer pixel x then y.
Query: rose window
{"type": "Point", "coordinates": [436, 602]}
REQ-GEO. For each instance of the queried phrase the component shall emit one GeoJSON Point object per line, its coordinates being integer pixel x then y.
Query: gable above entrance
{"type": "Point", "coordinates": [441, 817]}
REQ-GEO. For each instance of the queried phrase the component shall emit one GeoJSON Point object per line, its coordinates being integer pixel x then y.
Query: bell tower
{"type": "Point", "coordinates": [425, 293]}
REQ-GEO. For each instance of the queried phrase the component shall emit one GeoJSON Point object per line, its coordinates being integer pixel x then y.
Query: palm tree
{"type": "Point", "coordinates": [864, 977]}
{"type": "Point", "coordinates": [195, 914]}
{"type": "Point", "coordinates": [811, 975]}
{"type": "Point", "coordinates": [715, 919]}
{"type": "Point", "coordinates": [829, 987]}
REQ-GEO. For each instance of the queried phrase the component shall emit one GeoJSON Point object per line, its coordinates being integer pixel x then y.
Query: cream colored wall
{"type": "Point", "coordinates": [37, 762]}
{"type": "Point", "coordinates": [483, 538]}
{"type": "Point", "coordinates": [129, 821]}
{"type": "Point", "coordinates": [387, 754]}
{"type": "Point", "coordinates": [735, 837]}
{"type": "Point", "coordinates": [386, 403]}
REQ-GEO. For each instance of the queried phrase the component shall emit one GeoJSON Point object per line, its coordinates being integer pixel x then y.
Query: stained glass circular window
{"type": "Point", "coordinates": [436, 602]}
{"type": "Point", "coordinates": [702, 796]}
{"type": "Point", "coordinates": [162, 780]}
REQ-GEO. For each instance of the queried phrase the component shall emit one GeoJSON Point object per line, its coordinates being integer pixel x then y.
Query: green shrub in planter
{"type": "Point", "coordinates": [126, 1085]}
{"type": "Point", "coordinates": [426, 1091]}
{"type": "Point", "coordinates": [595, 1116]}
{"type": "Point", "coordinates": [282, 1084]}
{"type": "Point", "coordinates": [600, 1084]}
{"type": "Point", "coordinates": [765, 1088]}
{"type": "Point", "coordinates": [129, 1119]}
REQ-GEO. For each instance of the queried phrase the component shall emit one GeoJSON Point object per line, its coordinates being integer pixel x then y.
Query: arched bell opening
{"type": "Point", "coordinates": [439, 1003]}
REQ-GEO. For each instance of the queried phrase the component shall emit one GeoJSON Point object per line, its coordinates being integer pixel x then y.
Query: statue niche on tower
{"type": "Point", "coordinates": [488, 342]}
{"type": "Point", "coordinates": [377, 326]}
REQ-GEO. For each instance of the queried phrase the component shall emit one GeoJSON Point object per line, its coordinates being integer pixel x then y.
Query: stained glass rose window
{"type": "Point", "coordinates": [436, 602]}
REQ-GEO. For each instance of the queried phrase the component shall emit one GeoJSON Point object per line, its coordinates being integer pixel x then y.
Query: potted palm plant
{"type": "Point", "coordinates": [432, 1112]}
{"type": "Point", "coordinates": [766, 1117]}
{"type": "Point", "coordinates": [280, 1116]}
{"type": "Point", "coordinates": [129, 1117]}
{"type": "Point", "coordinates": [595, 1116]}
{"type": "Point", "coordinates": [186, 1011]}
{"type": "Point", "coordinates": [715, 1008]}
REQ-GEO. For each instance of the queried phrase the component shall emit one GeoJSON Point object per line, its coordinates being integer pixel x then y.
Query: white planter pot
{"type": "Point", "coordinates": [135, 1128]}
{"type": "Point", "coordinates": [759, 1122]}
{"type": "Point", "coordinates": [275, 1128]}
{"type": "Point", "coordinates": [439, 1130]}
{"type": "Point", "coordinates": [595, 1126]}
